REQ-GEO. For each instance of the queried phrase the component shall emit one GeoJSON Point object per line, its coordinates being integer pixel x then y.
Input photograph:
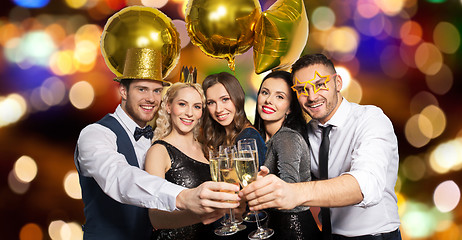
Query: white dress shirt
{"type": "Point", "coordinates": [98, 158]}
{"type": "Point", "coordinates": [362, 144]}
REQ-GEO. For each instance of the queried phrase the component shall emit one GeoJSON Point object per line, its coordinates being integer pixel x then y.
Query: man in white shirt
{"type": "Point", "coordinates": [358, 194]}
{"type": "Point", "coordinates": [110, 157]}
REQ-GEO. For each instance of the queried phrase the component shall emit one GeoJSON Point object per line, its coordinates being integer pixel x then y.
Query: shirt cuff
{"type": "Point", "coordinates": [166, 197]}
{"type": "Point", "coordinates": [367, 187]}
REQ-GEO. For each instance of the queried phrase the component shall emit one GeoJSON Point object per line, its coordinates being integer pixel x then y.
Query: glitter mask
{"type": "Point", "coordinates": [318, 82]}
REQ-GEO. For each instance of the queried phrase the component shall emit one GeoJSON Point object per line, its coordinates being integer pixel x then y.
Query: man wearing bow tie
{"type": "Point", "coordinates": [110, 156]}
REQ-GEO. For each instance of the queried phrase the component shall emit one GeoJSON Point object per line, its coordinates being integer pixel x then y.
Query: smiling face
{"type": "Point", "coordinates": [322, 98]}
{"type": "Point", "coordinates": [273, 101]}
{"type": "Point", "coordinates": [219, 105]}
{"type": "Point", "coordinates": [185, 110]}
{"type": "Point", "coordinates": [141, 100]}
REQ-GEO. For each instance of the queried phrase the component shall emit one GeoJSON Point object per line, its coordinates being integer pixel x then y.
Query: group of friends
{"type": "Point", "coordinates": [140, 182]}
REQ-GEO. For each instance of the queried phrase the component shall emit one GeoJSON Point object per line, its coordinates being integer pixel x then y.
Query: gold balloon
{"type": "Point", "coordinates": [222, 28]}
{"type": "Point", "coordinates": [280, 35]}
{"type": "Point", "coordinates": [139, 27]}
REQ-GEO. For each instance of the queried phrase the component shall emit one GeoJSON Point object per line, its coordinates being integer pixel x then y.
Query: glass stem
{"type": "Point", "coordinates": [225, 219]}
{"type": "Point", "coordinates": [231, 218]}
{"type": "Point", "coordinates": [257, 219]}
{"type": "Point", "coordinates": [231, 215]}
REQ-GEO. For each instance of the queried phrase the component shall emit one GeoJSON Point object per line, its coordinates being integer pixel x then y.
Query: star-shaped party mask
{"type": "Point", "coordinates": [318, 82]}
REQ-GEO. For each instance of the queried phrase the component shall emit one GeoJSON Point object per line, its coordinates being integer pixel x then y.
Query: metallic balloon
{"type": "Point", "coordinates": [280, 35]}
{"type": "Point", "coordinates": [222, 28]}
{"type": "Point", "coordinates": [139, 27]}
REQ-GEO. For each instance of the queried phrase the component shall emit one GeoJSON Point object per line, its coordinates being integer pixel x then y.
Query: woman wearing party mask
{"type": "Point", "coordinates": [279, 119]}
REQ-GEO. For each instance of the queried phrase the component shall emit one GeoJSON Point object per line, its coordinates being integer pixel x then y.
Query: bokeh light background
{"type": "Point", "coordinates": [401, 55]}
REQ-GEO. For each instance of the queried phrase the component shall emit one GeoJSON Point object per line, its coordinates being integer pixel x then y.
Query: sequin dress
{"type": "Point", "coordinates": [189, 173]}
{"type": "Point", "coordinates": [288, 157]}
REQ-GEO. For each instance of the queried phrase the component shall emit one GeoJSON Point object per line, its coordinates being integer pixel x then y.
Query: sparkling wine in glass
{"type": "Point", "coordinates": [227, 172]}
{"type": "Point", "coordinates": [214, 163]}
{"type": "Point", "coordinates": [252, 143]}
{"type": "Point", "coordinates": [246, 169]}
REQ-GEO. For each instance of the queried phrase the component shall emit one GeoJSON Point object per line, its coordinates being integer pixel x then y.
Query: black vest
{"type": "Point", "coordinates": [105, 217]}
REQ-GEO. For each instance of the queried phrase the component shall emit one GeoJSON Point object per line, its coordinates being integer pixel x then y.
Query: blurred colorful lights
{"type": "Point", "coordinates": [13, 107]}
{"type": "Point", "coordinates": [31, 231]}
{"type": "Point", "coordinates": [81, 95]}
{"type": "Point", "coordinates": [446, 37]}
{"type": "Point", "coordinates": [31, 3]}
{"type": "Point", "coordinates": [323, 18]}
{"type": "Point", "coordinates": [154, 3]}
{"type": "Point", "coordinates": [72, 185]}
{"type": "Point", "coordinates": [25, 169]}
{"type": "Point", "coordinates": [34, 47]}
{"type": "Point", "coordinates": [447, 156]}
{"type": "Point", "coordinates": [446, 196]}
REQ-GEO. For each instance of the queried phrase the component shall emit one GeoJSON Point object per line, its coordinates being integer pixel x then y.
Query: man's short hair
{"type": "Point", "coordinates": [126, 83]}
{"type": "Point", "coordinates": [311, 59]}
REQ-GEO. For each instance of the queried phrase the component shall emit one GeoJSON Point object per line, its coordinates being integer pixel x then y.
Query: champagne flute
{"type": "Point", "coordinates": [214, 162]}
{"type": "Point", "coordinates": [252, 143]}
{"type": "Point", "coordinates": [246, 168]}
{"type": "Point", "coordinates": [228, 151]}
{"type": "Point", "coordinates": [227, 172]}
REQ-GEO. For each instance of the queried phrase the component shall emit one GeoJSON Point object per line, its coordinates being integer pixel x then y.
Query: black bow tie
{"type": "Point", "coordinates": [146, 132]}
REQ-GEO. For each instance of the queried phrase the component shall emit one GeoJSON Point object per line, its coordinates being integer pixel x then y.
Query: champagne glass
{"type": "Point", "coordinates": [214, 162]}
{"type": "Point", "coordinates": [246, 168]}
{"type": "Point", "coordinates": [228, 174]}
{"type": "Point", "coordinates": [228, 151]}
{"type": "Point", "coordinates": [252, 143]}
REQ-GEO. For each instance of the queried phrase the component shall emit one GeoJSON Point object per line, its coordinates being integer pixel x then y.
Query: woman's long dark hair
{"type": "Point", "coordinates": [213, 133]}
{"type": "Point", "coordinates": [294, 119]}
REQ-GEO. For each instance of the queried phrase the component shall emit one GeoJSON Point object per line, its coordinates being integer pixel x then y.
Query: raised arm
{"type": "Point", "coordinates": [97, 157]}
{"type": "Point", "coordinates": [202, 204]}
{"type": "Point", "coordinates": [272, 192]}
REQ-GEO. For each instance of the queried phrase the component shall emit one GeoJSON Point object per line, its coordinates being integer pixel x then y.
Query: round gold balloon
{"type": "Point", "coordinates": [222, 28]}
{"type": "Point", "coordinates": [139, 27]}
{"type": "Point", "coordinates": [280, 35]}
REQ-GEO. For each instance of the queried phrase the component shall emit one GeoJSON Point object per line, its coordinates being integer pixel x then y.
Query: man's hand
{"type": "Point", "coordinates": [269, 191]}
{"type": "Point", "coordinates": [209, 200]}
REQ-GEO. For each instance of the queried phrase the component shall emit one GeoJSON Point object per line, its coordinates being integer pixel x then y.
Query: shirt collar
{"type": "Point", "coordinates": [125, 119]}
{"type": "Point", "coordinates": [339, 117]}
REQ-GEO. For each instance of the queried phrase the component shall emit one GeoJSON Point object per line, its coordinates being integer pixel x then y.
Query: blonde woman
{"type": "Point", "coordinates": [177, 156]}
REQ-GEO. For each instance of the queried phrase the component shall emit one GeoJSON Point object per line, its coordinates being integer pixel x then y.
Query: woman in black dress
{"type": "Point", "coordinates": [177, 156]}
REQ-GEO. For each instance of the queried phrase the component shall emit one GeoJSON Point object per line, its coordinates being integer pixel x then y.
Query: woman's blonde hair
{"type": "Point", "coordinates": [164, 121]}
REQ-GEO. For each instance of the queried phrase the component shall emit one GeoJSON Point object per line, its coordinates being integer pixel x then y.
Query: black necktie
{"type": "Point", "coordinates": [323, 168]}
{"type": "Point", "coordinates": [146, 132]}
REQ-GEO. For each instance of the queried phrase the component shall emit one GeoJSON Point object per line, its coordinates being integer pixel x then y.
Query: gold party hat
{"type": "Point", "coordinates": [143, 63]}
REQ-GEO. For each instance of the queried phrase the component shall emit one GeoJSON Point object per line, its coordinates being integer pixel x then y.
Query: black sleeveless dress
{"type": "Point", "coordinates": [188, 173]}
